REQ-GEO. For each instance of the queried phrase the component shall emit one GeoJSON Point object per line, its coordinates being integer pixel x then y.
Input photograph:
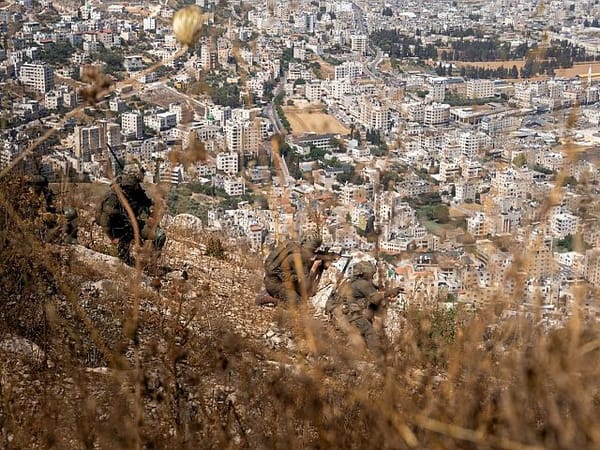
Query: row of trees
{"type": "Point", "coordinates": [483, 50]}
{"type": "Point", "coordinates": [560, 53]}
{"type": "Point", "coordinates": [399, 45]}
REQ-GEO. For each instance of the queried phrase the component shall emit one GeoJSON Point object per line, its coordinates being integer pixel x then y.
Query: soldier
{"type": "Point", "coordinates": [113, 218]}
{"type": "Point", "coordinates": [39, 206]}
{"type": "Point", "coordinates": [71, 227]}
{"type": "Point", "coordinates": [357, 300]}
{"type": "Point", "coordinates": [291, 271]}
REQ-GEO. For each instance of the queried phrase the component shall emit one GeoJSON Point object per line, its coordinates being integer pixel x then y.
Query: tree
{"type": "Point", "coordinates": [514, 72]}
{"type": "Point", "coordinates": [316, 153]}
{"type": "Point", "coordinates": [520, 160]}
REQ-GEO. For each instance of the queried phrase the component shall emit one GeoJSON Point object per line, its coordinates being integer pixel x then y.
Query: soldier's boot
{"type": "Point", "coordinates": [264, 298]}
{"type": "Point", "coordinates": [124, 249]}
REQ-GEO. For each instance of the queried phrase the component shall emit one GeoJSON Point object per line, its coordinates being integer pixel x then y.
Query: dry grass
{"type": "Point", "coordinates": [492, 64]}
{"type": "Point", "coordinates": [307, 121]}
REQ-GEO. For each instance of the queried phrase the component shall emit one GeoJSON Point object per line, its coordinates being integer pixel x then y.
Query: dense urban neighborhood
{"type": "Point", "coordinates": [456, 140]}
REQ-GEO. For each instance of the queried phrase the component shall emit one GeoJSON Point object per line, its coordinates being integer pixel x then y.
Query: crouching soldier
{"type": "Point", "coordinates": [357, 300]}
{"type": "Point", "coordinates": [291, 271]}
{"type": "Point", "coordinates": [113, 218]}
{"type": "Point", "coordinates": [71, 229]}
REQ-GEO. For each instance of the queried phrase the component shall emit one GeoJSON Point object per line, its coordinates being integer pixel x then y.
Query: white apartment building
{"type": "Point", "coordinates": [437, 90]}
{"type": "Point", "coordinates": [562, 224]}
{"type": "Point", "coordinates": [480, 88]}
{"type": "Point", "coordinates": [133, 63]}
{"type": "Point", "coordinates": [243, 136]}
{"type": "Point", "coordinates": [161, 121]}
{"type": "Point", "coordinates": [477, 225]}
{"type": "Point", "coordinates": [436, 114]}
{"type": "Point", "coordinates": [449, 171]}
{"type": "Point", "coordinates": [592, 267]}
{"type": "Point", "coordinates": [313, 91]}
{"type": "Point", "coordinates": [506, 184]}
{"type": "Point", "coordinates": [53, 100]}
{"type": "Point", "coordinates": [132, 125]}
{"type": "Point", "coordinates": [234, 187]}
{"type": "Point", "coordinates": [416, 112]}
{"type": "Point", "coordinates": [255, 235]}
{"type": "Point", "coordinates": [464, 192]}
{"type": "Point", "coordinates": [374, 116]}
{"type": "Point", "coordinates": [38, 77]}
{"type": "Point", "coordinates": [228, 163]}
{"type": "Point", "coordinates": [348, 70]}
{"type": "Point", "coordinates": [177, 108]}
{"type": "Point", "coordinates": [358, 43]}
{"type": "Point", "coordinates": [149, 24]}
{"type": "Point", "coordinates": [469, 144]}
{"type": "Point", "coordinates": [360, 152]}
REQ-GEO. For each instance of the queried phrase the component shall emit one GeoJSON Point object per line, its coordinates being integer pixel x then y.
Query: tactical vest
{"type": "Point", "coordinates": [273, 263]}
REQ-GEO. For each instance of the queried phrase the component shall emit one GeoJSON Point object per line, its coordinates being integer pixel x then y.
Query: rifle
{"type": "Point", "coordinates": [327, 257]}
{"type": "Point", "coordinates": [114, 155]}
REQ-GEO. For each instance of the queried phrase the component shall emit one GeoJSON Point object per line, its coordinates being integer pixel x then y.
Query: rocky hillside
{"type": "Point", "coordinates": [95, 354]}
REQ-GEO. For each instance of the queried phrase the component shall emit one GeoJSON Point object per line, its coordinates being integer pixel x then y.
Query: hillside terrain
{"type": "Point", "coordinates": [96, 354]}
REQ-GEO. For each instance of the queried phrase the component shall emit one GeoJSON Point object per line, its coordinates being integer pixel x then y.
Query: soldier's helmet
{"type": "Point", "coordinates": [364, 269]}
{"type": "Point", "coordinates": [312, 240]}
{"type": "Point", "coordinates": [70, 213]}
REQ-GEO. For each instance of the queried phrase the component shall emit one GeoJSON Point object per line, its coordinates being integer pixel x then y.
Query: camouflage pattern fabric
{"type": "Point", "coordinates": [356, 302]}
{"type": "Point", "coordinates": [115, 221]}
{"type": "Point", "coordinates": [287, 272]}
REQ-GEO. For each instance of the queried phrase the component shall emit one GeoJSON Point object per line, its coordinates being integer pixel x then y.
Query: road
{"type": "Point", "coordinates": [271, 110]}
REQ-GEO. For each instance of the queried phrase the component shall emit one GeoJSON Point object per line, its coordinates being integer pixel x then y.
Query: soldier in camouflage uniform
{"type": "Point", "coordinates": [113, 217]}
{"type": "Point", "coordinates": [71, 227]}
{"type": "Point", "coordinates": [291, 270]}
{"type": "Point", "coordinates": [40, 207]}
{"type": "Point", "coordinates": [357, 300]}
{"type": "Point", "coordinates": [54, 225]}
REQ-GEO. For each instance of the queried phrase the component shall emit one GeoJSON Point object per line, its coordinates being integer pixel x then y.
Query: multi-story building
{"type": "Point", "coordinates": [149, 24]}
{"type": "Point", "coordinates": [469, 144]}
{"type": "Point", "coordinates": [480, 88]}
{"type": "Point", "coordinates": [228, 162]}
{"type": "Point", "coordinates": [358, 43]}
{"type": "Point", "coordinates": [348, 70]}
{"type": "Point", "coordinates": [53, 100]}
{"type": "Point", "coordinates": [592, 267]}
{"type": "Point", "coordinates": [436, 114]}
{"type": "Point", "coordinates": [235, 187]}
{"type": "Point", "coordinates": [563, 224]}
{"type": "Point", "coordinates": [161, 121]}
{"type": "Point", "coordinates": [39, 77]}
{"type": "Point", "coordinates": [437, 91]}
{"type": "Point", "coordinates": [416, 112]}
{"type": "Point", "coordinates": [133, 63]}
{"type": "Point", "coordinates": [539, 262]}
{"type": "Point", "coordinates": [87, 141]}
{"type": "Point", "coordinates": [132, 125]}
{"type": "Point", "coordinates": [243, 136]}
{"type": "Point", "coordinates": [477, 225]}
